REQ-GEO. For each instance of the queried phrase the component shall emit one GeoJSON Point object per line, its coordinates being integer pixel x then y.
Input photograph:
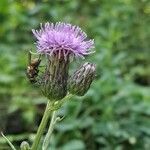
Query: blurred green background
{"type": "Point", "coordinates": [115, 113]}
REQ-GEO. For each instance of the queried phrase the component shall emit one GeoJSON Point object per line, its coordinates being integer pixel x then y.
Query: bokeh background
{"type": "Point", "coordinates": [115, 113]}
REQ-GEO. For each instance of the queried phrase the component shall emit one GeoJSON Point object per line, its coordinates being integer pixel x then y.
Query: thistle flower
{"type": "Point", "coordinates": [60, 42]}
{"type": "Point", "coordinates": [62, 39]}
{"type": "Point", "coordinates": [81, 80]}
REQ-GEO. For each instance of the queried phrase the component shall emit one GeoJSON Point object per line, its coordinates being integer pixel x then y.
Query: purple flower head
{"type": "Point", "coordinates": [62, 39]}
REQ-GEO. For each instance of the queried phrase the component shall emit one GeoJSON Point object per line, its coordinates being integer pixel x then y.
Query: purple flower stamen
{"type": "Point", "coordinates": [63, 39]}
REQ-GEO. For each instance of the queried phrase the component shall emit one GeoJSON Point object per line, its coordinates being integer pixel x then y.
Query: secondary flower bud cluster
{"type": "Point", "coordinates": [80, 81]}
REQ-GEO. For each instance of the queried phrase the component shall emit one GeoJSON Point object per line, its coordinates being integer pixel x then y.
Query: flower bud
{"type": "Point", "coordinates": [25, 146]}
{"type": "Point", "coordinates": [80, 81]}
{"type": "Point", "coordinates": [54, 80]}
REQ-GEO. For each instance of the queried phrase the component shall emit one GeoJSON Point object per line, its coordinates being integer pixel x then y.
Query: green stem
{"type": "Point", "coordinates": [53, 122]}
{"type": "Point", "coordinates": [50, 130]}
{"type": "Point", "coordinates": [41, 127]}
{"type": "Point", "coordinates": [51, 107]}
{"type": "Point", "coordinates": [7, 140]}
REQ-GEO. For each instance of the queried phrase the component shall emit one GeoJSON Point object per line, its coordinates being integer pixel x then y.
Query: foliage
{"type": "Point", "coordinates": [115, 113]}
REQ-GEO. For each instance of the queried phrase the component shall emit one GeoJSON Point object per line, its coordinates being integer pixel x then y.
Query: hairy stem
{"type": "Point", "coordinates": [54, 120]}
{"type": "Point", "coordinates": [50, 108]}
{"type": "Point", "coordinates": [49, 133]}
{"type": "Point", "coordinates": [41, 127]}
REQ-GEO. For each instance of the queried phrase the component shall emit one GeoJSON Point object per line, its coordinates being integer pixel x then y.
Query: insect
{"type": "Point", "coordinates": [32, 69]}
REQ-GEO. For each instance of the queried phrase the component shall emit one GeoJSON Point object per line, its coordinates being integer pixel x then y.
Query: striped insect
{"type": "Point", "coordinates": [32, 69]}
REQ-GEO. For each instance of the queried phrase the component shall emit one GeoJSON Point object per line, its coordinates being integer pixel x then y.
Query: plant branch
{"type": "Point", "coordinates": [10, 144]}
{"type": "Point", "coordinates": [49, 133]}
{"type": "Point", "coordinates": [42, 127]}
{"type": "Point", "coordinates": [54, 120]}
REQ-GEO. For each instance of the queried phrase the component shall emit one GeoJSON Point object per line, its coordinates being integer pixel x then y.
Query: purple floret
{"type": "Point", "coordinates": [62, 39]}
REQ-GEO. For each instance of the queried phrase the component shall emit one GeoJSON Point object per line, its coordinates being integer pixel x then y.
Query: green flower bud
{"type": "Point", "coordinates": [80, 81]}
{"type": "Point", "coordinates": [54, 80]}
{"type": "Point", "coordinates": [25, 146]}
